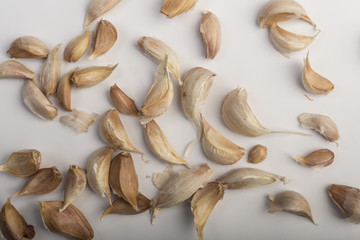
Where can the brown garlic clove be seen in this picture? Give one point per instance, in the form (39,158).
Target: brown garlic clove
(211,34)
(88,77)
(318,158)
(22,163)
(14,69)
(172,8)
(28,47)
(77,47)
(105,38)
(257,154)
(64,90)
(122,102)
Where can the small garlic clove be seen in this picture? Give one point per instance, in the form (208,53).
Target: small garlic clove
(79,120)
(28,47)
(160,146)
(98,8)
(314,82)
(242,178)
(276,11)
(105,38)
(88,77)
(218,148)
(71,222)
(320,123)
(77,47)
(97,172)
(257,154)
(37,102)
(75,185)
(14,69)
(63,92)
(292,202)
(211,34)
(172,8)
(122,102)
(44,181)
(318,158)
(22,163)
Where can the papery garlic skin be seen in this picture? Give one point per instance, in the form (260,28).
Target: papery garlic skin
(211,34)
(320,123)
(14,69)
(172,8)
(105,38)
(77,47)
(28,47)
(98,8)
(22,163)
(50,73)
(79,120)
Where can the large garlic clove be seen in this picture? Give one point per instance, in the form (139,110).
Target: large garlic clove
(211,34)
(63,92)
(105,38)
(90,76)
(77,47)
(123,102)
(28,47)
(79,120)
(319,158)
(50,73)
(320,123)
(22,163)
(98,8)
(172,8)
(14,69)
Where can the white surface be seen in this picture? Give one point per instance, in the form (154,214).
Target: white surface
(246,59)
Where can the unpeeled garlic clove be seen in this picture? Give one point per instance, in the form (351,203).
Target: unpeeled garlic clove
(242,178)
(77,47)
(37,102)
(282,10)
(105,38)
(22,163)
(257,154)
(79,120)
(44,181)
(290,201)
(320,123)
(159,145)
(28,47)
(63,92)
(203,202)
(122,102)
(172,8)
(211,34)
(88,77)
(14,69)
(71,222)
(218,148)
(98,8)
(318,158)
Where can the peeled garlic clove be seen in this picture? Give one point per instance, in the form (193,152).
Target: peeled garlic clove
(97,172)
(13,225)
(64,90)
(203,202)
(318,158)
(314,82)
(194,91)
(186,182)
(211,34)
(88,77)
(98,8)
(79,120)
(156,50)
(120,206)
(37,102)
(14,69)
(242,178)
(282,10)
(218,148)
(286,42)
(160,146)
(22,163)
(71,222)
(172,8)
(123,179)
(257,154)
(28,47)
(77,47)
(44,181)
(75,185)
(122,102)
(320,123)
(105,38)
(50,74)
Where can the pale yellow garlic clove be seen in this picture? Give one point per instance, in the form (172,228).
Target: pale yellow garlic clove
(14,69)
(63,92)
(105,38)
(122,102)
(77,47)
(211,34)
(22,163)
(320,123)
(98,8)
(218,148)
(290,201)
(318,158)
(79,120)
(257,154)
(88,77)
(172,8)
(28,47)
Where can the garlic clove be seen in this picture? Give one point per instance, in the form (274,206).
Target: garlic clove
(172,8)
(77,47)
(90,76)
(161,178)
(105,38)
(14,69)
(122,102)
(211,34)
(98,8)
(320,123)
(22,163)
(257,154)
(318,158)
(28,47)
(79,120)
(63,92)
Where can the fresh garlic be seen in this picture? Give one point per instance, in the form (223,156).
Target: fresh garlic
(71,222)
(14,69)
(28,47)
(79,120)
(63,92)
(314,82)
(286,42)
(257,154)
(77,47)
(44,181)
(98,8)
(160,146)
(122,102)
(88,77)
(218,148)
(75,185)
(320,123)
(242,178)
(97,172)
(172,8)
(203,202)
(211,34)
(156,50)
(37,102)
(290,201)
(12,225)
(181,187)
(319,158)
(50,74)
(282,10)
(194,91)
(105,38)
(22,163)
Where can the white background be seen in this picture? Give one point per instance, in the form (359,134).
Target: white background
(246,59)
